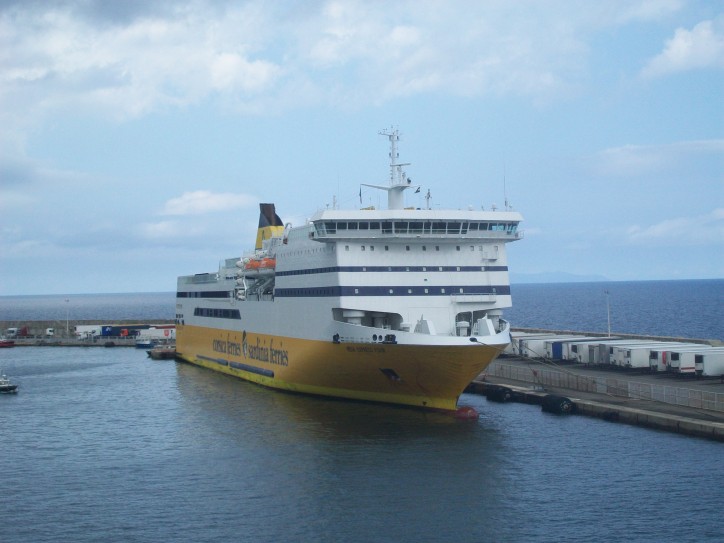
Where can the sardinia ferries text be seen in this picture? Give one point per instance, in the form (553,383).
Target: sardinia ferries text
(257,351)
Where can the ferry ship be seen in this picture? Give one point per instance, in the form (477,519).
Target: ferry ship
(399,305)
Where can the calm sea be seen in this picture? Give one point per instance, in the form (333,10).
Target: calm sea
(692,309)
(107,445)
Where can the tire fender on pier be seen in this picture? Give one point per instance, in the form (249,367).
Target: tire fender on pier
(559,405)
(501,394)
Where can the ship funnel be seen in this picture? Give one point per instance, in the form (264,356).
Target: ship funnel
(270,225)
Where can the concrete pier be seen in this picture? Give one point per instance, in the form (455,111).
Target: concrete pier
(687,406)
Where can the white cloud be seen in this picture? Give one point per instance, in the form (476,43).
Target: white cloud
(697,230)
(635,160)
(202,201)
(233,72)
(263,57)
(701,47)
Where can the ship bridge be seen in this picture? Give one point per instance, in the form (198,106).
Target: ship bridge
(334,225)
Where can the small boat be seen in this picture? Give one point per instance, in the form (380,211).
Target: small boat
(163,352)
(6,343)
(6,387)
(145,343)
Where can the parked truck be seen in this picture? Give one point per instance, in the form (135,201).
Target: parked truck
(16,332)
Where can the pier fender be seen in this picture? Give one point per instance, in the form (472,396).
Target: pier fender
(466,413)
(500,394)
(559,405)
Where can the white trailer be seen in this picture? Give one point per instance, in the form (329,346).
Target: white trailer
(515,337)
(684,360)
(534,347)
(594,351)
(158,332)
(520,340)
(88,331)
(559,348)
(710,363)
(609,356)
(660,358)
(639,356)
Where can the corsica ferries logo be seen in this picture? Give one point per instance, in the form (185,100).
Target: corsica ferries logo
(262,353)
(253,351)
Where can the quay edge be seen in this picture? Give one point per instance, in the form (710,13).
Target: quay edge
(712,342)
(686,422)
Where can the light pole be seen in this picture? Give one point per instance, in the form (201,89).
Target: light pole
(608,311)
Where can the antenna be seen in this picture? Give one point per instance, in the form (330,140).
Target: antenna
(399,182)
(506,205)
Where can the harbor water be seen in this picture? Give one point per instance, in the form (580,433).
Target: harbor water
(107,445)
(104,444)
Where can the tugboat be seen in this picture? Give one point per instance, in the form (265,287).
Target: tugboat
(6,387)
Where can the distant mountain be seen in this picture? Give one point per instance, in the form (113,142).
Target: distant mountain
(555,277)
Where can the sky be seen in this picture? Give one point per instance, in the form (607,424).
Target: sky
(138,138)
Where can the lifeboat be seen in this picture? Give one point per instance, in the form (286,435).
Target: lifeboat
(258,266)
(260,263)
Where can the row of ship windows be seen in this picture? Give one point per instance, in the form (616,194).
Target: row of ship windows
(217,313)
(423,247)
(441,290)
(382,291)
(416,227)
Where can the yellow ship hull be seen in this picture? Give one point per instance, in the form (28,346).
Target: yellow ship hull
(427,376)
